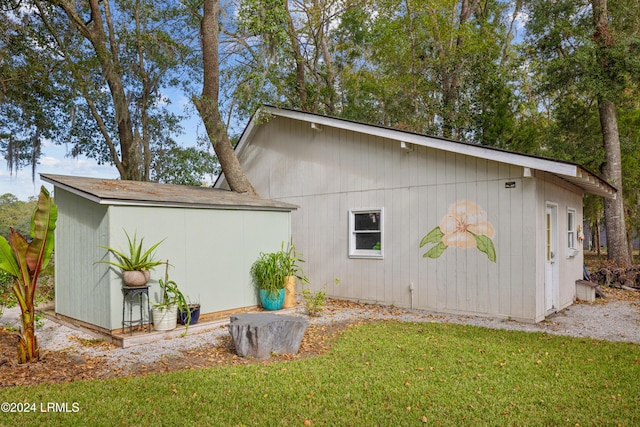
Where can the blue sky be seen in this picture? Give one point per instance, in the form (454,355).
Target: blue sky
(55,159)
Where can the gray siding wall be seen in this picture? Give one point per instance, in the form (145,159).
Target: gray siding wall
(82,287)
(330,172)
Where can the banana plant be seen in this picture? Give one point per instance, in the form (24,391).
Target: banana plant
(24,260)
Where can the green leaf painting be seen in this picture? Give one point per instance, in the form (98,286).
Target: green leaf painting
(435,251)
(484,244)
(434,236)
(465,225)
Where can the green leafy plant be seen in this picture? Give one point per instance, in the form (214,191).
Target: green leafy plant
(24,260)
(172,295)
(314,302)
(138,259)
(290,262)
(269,271)
(39,320)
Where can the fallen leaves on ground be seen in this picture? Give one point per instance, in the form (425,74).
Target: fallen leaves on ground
(67,366)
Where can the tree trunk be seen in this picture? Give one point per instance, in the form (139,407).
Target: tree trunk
(207,104)
(597,241)
(106,50)
(28,349)
(617,247)
(451,72)
(301,84)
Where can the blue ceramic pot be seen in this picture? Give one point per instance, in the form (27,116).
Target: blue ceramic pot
(195,315)
(272,301)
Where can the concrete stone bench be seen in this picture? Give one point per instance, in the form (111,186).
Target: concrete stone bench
(260,334)
(587,291)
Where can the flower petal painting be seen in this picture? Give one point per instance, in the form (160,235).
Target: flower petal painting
(466,226)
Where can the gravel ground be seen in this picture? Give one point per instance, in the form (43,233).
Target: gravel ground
(613,320)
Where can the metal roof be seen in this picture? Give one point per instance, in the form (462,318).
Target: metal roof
(136,193)
(571,172)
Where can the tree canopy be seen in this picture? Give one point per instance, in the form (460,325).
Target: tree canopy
(557,78)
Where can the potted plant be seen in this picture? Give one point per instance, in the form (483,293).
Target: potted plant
(293,271)
(268,273)
(136,265)
(190,316)
(165,312)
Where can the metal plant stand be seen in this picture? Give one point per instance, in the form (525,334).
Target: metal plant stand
(130,294)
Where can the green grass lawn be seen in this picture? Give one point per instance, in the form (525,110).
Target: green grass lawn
(389,374)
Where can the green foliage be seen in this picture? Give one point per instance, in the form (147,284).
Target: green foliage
(137,259)
(376,374)
(314,302)
(59,70)
(423,67)
(184,166)
(32,102)
(172,295)
(578,67)
(6,279)
(270,270)
(39,320)
(291,262)
(15,213)
(24,260)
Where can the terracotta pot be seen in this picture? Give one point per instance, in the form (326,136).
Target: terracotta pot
(290,292)
(136,277)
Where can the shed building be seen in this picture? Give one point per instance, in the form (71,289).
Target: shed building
(211,238)
(418,221)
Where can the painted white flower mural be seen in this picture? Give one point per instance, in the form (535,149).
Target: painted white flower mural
(465,226)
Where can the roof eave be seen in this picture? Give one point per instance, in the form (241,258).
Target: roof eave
(263,205)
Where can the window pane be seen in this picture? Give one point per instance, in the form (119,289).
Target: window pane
(570,221)
(370,241)
(571,228)
(367,221)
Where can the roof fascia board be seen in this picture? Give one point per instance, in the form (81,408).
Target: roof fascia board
(145,203)
(436,143)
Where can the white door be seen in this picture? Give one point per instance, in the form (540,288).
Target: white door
(551,294)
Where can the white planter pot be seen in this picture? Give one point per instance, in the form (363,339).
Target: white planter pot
(165,319)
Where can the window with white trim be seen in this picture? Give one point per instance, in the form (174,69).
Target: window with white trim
(366,233)
(571,228)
